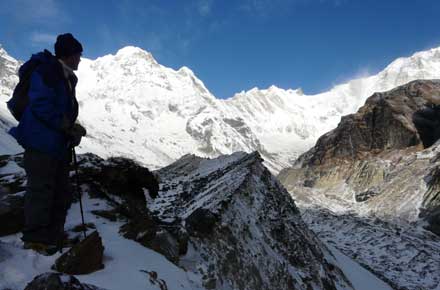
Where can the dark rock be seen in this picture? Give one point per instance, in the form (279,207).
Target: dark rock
(170,243)
(431,201)
(14,184)
(432,216)
(142,230)
(154,279)
(166,244)
(83,258)
(309,183)
(124,176)
(182,239)
(111,215)
(364,196)
(11,215)
(201,222)
(57,281)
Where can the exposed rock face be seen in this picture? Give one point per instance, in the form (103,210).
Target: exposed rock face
(125,185)
(374,154)
(55,281)
(384,123)
(245,231)
(373,165)
(84,258)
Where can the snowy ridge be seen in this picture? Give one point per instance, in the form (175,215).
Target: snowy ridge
(135,107)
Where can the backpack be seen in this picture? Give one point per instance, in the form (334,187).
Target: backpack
(20,98)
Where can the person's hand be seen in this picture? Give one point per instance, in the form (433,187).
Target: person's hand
(76,133)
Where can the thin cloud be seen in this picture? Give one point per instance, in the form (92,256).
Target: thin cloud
(30,11)
(204,7)
(38,38)
(270,7)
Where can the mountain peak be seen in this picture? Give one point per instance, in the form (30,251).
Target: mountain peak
(4,54)
(135,52)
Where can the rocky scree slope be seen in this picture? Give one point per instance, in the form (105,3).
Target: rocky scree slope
(371,181)
(227,221)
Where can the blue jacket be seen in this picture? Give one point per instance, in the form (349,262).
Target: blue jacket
(52,108)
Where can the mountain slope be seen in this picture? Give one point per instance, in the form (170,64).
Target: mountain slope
(236,228)
(135,107)
(370,188)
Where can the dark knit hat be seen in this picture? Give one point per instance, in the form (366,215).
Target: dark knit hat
(67,45)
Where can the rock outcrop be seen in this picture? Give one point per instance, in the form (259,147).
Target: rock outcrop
(55,281)
(376,157)
(84,258)
(11,215)
(245,231)
(383,124)
(373,171)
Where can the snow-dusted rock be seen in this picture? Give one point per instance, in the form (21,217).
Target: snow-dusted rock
(245,231)
(83,258)
(56,281)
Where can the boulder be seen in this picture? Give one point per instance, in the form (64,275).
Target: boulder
(83,258)
(169,240)
(11,215)
(57,281)
(124,176)
(166,244)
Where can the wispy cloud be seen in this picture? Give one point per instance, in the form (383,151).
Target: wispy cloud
(38,38)
(270,7)
(204,7)
(31,11)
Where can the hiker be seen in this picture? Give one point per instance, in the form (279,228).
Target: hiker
(427,122)
(48,133)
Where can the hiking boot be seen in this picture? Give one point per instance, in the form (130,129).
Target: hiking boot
(43,249)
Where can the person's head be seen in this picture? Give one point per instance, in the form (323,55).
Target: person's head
(69,50)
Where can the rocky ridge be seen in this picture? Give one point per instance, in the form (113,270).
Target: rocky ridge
(227,221)
(370,171)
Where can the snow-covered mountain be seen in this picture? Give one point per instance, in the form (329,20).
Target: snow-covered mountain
(8,79)
(135,107)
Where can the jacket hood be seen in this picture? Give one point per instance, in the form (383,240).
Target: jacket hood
(44,57)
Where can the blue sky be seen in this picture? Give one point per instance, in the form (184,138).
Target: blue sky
(235,45)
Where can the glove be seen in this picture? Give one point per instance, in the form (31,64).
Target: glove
(76,133)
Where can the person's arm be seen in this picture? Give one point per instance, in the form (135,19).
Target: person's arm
(42,104)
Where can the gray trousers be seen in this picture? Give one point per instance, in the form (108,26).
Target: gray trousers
(48,197)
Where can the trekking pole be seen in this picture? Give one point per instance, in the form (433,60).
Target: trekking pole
(75,163)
